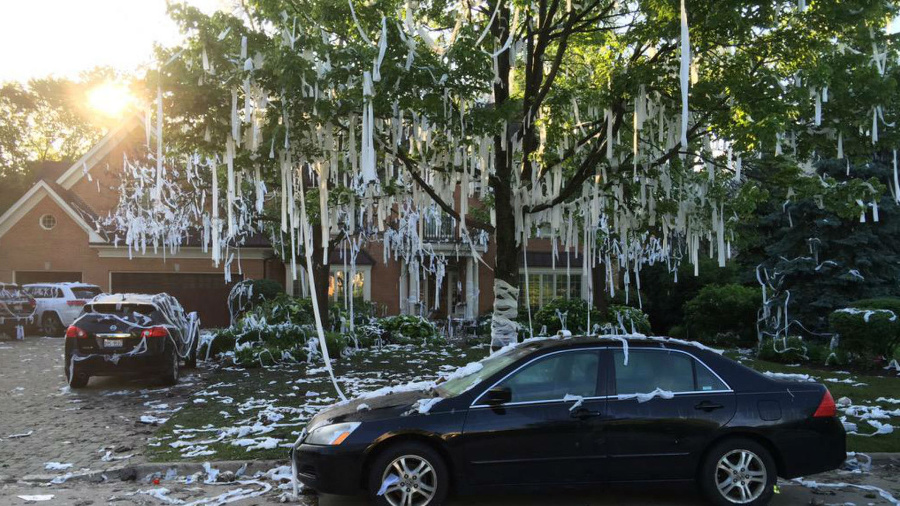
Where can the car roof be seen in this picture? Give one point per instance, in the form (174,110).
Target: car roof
(72,284)
(128,298)
(615,341)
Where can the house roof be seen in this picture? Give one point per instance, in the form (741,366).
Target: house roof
(109,141)
(67,201)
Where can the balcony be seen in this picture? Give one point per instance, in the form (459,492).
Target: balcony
(440,229)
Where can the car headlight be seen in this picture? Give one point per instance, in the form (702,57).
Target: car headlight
(331,435)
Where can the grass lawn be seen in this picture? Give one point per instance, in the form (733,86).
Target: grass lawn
(258,413)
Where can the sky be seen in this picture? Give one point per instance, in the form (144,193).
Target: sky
(65,37)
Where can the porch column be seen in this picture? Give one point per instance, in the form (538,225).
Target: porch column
(471,288)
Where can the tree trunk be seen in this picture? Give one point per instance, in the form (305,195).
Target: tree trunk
(506,266)
(598,283)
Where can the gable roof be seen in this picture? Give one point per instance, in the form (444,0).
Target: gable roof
(69,204)
(99,151)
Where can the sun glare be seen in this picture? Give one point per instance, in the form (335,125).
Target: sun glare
(110,99)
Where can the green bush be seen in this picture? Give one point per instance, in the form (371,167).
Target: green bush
(336,343)
(363,312)
(792,350)
(722,310)
(632,318)
(407,329)
(265,289)
(868,328)
(575,311)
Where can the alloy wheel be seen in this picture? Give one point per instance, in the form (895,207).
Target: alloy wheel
(416,481)
(741,476)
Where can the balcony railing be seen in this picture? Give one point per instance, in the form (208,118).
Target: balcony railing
(440,229)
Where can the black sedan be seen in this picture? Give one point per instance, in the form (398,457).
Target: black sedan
(127,334)
(571,413)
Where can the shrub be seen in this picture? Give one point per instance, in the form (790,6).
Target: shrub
(407,329)
(723,309)
(363,312)
(265,289)
(575,311)
(336,343)
(869,328)
(791,350)
(633,319)
(250,293)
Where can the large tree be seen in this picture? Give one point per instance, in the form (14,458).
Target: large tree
(46,120)
(622,125)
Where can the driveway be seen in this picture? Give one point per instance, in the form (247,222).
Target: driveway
(42,421)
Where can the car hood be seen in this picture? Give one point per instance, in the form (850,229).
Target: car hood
(374,407)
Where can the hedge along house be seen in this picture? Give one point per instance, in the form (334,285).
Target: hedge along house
(51,235)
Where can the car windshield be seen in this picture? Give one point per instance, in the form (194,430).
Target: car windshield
(85,292)
(121,309)
(473,375)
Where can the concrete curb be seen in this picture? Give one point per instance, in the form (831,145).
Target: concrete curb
(145,471)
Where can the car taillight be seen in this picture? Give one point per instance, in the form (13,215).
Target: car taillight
(75,332)
(827,408)
(155,332)
(75,302)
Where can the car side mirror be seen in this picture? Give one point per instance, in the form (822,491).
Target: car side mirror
(498,395)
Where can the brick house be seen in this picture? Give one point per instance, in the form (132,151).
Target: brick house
(49,235)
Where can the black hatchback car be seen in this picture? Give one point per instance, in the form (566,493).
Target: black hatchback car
(131,334)
(576,412)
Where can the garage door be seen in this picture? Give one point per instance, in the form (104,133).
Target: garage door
(26,277)
(207,294)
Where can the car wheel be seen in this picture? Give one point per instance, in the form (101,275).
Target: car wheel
(76,374)
(170,375)
(738,471)
(409,474)
(51,326)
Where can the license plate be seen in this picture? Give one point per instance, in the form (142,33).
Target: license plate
(113,343)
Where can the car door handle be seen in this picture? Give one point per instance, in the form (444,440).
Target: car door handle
(584,414)
(708,406)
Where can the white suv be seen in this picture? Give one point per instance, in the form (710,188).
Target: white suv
(59,304)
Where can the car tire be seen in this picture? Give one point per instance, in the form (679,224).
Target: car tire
(738,471)
(77,375)
(434,475)
(169,376)
(51,325)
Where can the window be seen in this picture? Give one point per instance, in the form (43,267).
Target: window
(86,292)
(337,287)
(42,292)
(546,286)
(336,283)
(673,371)
(707,381)
(48,221)
(553,377)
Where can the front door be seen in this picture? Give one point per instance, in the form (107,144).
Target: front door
(660,436)
(543,435)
